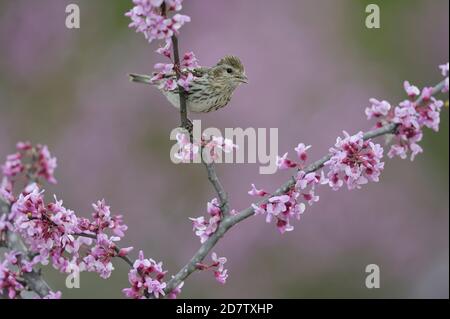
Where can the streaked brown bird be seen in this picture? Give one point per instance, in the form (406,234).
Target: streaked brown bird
(211,89)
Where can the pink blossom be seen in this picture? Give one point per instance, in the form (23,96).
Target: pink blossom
(166,49)
(282,208)
(411,90)
(220,273)
(13,165)
(187,151)
(205,228)
(47,164)
(310,197)
(189,61)
(284,163)
(427,92)
(174,5)
(377,109)
(146,18)
(8,277)
(53,295)
(301,151)
(354,162)
(24,146)
(220,143)
(257,192)
(185,81)
(155,287)
(146,278)
(304,180)
(176,291)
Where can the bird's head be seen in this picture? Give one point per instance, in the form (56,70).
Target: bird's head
(230,72)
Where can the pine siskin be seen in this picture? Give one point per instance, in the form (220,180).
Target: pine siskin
(211,89)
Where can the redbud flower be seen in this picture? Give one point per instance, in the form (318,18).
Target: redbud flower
(411,90)
(205,228)
(284,163)
(53,295)
(176,291)
(220,273)
(13,165)
(47,164)
(282,208)
(145,279)
(354,162)
(8,278)
(146,18)
(377,109)
(301,151)
(185,81)
(257,192)
(186,150)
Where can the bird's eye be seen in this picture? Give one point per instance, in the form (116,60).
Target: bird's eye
(229,70)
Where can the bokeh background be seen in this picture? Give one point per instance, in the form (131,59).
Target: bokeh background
(312,65)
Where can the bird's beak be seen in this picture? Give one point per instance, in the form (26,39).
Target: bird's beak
(243,79)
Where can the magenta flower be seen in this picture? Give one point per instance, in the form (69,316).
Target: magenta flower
(221,274)
(377,109)
(146,18)
(301,152)
(284,163)
(354,162)
(13,165)
(257,192)
(176,291)
(185,81)
(145,278)
(205,228)
(412,91)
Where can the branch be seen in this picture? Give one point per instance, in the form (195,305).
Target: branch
(230,221)
(186,124)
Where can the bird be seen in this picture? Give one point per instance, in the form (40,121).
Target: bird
(211,89)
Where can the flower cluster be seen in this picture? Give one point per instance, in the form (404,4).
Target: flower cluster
(220,273)
(291,204)
(55,234)
(205,227)
(211,149)
(419,110)
(36,160)
(146,279)
(165,77)
(11,275)
(354,162)
(147,17)
(283,162)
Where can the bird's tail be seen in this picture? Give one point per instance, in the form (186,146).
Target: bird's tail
(140,78)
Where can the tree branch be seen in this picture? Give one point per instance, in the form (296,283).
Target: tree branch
(230,221)
(186,124)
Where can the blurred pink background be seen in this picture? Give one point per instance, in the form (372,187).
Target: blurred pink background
(312,65)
